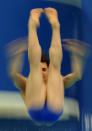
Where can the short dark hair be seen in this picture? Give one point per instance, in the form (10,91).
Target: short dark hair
(44,58)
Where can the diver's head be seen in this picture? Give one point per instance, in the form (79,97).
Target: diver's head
(44,66)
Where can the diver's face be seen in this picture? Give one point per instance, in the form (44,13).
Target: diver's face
(44,68)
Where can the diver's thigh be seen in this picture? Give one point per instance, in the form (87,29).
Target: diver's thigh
(55,90)
(35,91)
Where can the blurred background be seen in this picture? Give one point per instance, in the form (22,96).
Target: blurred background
(75,17)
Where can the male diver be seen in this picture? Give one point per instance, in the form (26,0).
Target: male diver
(43,89)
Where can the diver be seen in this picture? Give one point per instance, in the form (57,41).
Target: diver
(43,89)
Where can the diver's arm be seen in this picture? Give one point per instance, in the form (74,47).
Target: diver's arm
(14,70)
(78,53)
(70,79)
(19,81)
(77,71)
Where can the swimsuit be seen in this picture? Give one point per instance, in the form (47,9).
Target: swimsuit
(44,115)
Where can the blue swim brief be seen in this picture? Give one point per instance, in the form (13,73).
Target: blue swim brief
(44,115)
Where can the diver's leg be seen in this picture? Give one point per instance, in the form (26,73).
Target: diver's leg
(35,91)
(55,90)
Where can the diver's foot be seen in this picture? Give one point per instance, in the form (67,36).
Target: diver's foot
(35,15)
(52,16)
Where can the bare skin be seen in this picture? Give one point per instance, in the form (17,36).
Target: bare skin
(55,90)
(46,83)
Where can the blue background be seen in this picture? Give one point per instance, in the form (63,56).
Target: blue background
(75,23)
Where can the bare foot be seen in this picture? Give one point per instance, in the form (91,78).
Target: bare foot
(52,16)
(35,15)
